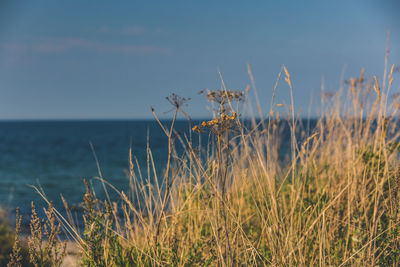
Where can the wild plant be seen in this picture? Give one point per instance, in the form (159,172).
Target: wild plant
(333,201)
(221,127)
(100,244)
(45,248)
(16,254)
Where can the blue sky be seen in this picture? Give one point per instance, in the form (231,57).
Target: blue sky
(113,59)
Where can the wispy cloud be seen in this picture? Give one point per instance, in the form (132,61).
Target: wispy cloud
(14,47)
(14,52)
(131,30)
(63,45)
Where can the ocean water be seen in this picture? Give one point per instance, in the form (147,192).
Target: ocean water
(58,155)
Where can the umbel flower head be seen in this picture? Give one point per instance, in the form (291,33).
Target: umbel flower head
(227,118)
(224,96)
(225,122)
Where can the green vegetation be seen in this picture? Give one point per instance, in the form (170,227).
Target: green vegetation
(337,202)
(13,251)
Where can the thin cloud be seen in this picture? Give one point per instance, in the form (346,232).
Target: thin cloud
(14,47)
(63,45)
(131,30)
(104,29)
(13,52)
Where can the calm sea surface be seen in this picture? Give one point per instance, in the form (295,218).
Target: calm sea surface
(57,155)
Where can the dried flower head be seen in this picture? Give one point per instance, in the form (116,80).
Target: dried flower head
(227,117)
(176,100)
(224,96)
(218,125)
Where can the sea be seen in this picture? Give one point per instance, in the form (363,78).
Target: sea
(55,156)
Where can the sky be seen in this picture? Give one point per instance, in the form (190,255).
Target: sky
(81,59)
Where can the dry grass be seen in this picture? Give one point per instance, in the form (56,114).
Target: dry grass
(336,203)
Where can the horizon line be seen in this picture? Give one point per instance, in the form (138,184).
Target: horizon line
(129,119)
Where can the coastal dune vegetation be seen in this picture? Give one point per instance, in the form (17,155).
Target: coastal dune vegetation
(228,198)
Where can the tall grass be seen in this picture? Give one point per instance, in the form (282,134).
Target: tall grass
(335,202)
